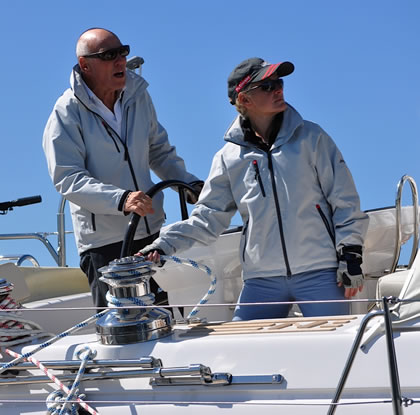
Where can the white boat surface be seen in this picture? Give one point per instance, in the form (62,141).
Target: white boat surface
(362,363)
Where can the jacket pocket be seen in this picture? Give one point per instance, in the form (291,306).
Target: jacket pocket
(258,176)
(326,223)
(93,219)
(245,236)
(85,223)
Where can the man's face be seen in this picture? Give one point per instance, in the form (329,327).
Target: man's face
(266,97)
(102,75)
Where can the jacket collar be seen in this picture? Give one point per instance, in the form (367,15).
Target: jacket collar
(291,121)
(249,133)
(133,85)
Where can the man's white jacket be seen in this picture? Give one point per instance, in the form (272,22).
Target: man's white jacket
(298,202)
(94,168)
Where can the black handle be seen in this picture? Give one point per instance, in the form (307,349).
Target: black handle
(24,201)
(134,218)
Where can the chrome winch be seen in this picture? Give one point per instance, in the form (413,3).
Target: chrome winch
(128,281)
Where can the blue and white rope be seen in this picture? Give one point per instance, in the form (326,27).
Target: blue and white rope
(85,354)
(55,403)
(53,340)
(15,329)
(127,273)
(148,299)
(201,267)
(144,300)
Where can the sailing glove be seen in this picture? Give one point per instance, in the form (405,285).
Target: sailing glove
(349,271)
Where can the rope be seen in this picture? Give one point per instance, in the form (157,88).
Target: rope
(53,340)
(63,387)
(85,354)
(148,299)
(13,328)
(142,301)
(201,267)
(55,402)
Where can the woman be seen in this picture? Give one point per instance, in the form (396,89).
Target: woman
(303,230)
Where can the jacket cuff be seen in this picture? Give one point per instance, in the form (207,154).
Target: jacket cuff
(122,201)
(164,246)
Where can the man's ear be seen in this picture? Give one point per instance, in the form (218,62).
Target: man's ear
(83,63)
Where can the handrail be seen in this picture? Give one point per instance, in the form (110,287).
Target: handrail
(145,362)
(193,370)
(59,255)
(414,193)
(397,400)
(38,236)
(392,359)
(20,259)
(61,234)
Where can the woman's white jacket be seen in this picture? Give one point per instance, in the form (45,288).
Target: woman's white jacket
(281,195)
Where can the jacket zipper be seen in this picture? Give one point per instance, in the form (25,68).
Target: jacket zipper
(110,130)
(127,158)
(258,176)
(107,128)
(244,233)
(130,165)
(279,220)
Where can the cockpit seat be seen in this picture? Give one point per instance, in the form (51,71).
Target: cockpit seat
(391,284)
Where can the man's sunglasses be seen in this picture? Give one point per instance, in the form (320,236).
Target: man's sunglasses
(269,85)
(110,54)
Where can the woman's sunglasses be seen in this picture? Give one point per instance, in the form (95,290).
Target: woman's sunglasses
(269,85)
(110,54)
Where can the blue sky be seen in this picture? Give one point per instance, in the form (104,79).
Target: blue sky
(357,75)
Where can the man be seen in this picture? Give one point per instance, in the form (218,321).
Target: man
(101,140)
(303,229)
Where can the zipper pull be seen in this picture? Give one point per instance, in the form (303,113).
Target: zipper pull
(257,170)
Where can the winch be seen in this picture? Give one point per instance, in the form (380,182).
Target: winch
(128,281)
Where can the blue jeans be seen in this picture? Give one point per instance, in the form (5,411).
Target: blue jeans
(306,286)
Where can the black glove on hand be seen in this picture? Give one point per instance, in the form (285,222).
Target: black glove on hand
(349,271)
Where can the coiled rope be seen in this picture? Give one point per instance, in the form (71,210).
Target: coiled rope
(13,328)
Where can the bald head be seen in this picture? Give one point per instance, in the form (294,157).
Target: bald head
(90,40)
(104,77)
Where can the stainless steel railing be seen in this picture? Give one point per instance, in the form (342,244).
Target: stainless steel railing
(415,200)
(59,254)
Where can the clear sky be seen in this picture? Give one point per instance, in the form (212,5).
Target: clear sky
(357,75)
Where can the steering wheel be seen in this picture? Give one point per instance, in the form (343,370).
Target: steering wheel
(135,218)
